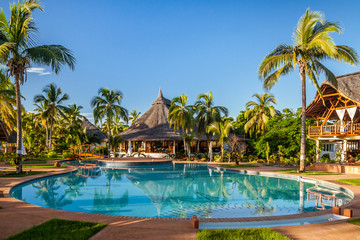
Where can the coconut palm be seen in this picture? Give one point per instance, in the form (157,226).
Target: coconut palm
(18,51)
(52,98)
(221,129)
(259,112)
(42,116)
(7,102)
(312,45)
(207,114)
(134,116)
(107,105)
(181,115)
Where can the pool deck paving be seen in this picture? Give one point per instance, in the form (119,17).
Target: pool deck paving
(17,215)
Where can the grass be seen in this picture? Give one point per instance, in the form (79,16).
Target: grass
(32,162)
(355,221)
(234,234)
(23,174)
(42,166)
(1,207)
(310,172)
(60,229)
(353,181)
(238,166)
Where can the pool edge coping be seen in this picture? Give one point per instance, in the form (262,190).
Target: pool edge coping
(70,169)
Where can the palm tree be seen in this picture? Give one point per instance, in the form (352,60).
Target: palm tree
(7,101)
(312,45)
(181,115)
(42,116)
(207,114)
(108,105)
(134,116)
(18,51)
(53,99)
(259,112)
(221,129)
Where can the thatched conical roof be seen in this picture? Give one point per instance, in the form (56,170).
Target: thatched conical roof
(153,124)
(348,87)
(93,130)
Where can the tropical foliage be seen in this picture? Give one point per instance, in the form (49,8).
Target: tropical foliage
(258,113)
(312,46)
(18,51)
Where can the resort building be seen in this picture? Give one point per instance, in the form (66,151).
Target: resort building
(337,117)
(152,134)
(92,130)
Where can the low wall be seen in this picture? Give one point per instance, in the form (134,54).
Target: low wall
(337,168)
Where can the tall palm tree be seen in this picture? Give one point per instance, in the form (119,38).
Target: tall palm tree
(134,116)
(181,115)
(259,112)
(107,104)
(312,45)
(18,51)
(207,114)
(221,129)
(42,116)
(53,98)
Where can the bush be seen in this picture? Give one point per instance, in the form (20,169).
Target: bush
(65,154)
(326,159)
(52,155)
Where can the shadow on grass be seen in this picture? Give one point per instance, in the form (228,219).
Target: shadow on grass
(60,229)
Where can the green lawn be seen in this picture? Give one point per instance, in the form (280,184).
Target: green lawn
(41,166)
(36,161)
(60,229)
(23,174)
(354,221)
(309,172)
(235,234)
(353,181)
(238,166)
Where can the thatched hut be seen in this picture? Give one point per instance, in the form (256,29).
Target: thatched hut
(91,129)
(337,116)
(152,132)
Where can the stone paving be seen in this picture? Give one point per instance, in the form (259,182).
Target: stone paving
(17,216)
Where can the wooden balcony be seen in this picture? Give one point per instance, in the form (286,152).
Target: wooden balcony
(335,130)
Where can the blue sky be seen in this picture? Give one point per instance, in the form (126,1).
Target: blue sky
(189,47)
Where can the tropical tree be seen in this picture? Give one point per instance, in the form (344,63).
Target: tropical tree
(18,51)
(206,114)
(221,129)
(107,105)
(134,116)
(52,98)
(259,112)
(7,102)
(312,45)
(181,115)
(42,116)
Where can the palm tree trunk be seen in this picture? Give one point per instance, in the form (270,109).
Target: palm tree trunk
(18,126)
(303,121)
(222,152)
(47,137)
(50,134)
(109,137)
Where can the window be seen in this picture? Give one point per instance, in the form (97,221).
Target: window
(353,145)
(328,147)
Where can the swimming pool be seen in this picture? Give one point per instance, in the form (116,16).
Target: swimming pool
(176,191)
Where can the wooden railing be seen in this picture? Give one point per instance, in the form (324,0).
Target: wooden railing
(337,129)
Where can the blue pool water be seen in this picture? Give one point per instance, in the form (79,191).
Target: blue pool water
(173,191)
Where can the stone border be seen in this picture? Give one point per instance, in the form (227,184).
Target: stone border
(69,169)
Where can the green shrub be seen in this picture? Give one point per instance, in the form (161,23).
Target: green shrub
(52,155)
(65,154)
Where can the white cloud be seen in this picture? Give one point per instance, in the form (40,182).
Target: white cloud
(40,71)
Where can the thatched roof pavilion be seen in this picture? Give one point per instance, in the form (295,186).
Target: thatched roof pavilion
(337,116)
(153,125)
(93,130)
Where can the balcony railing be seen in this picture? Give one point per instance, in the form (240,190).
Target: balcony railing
(337,129)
